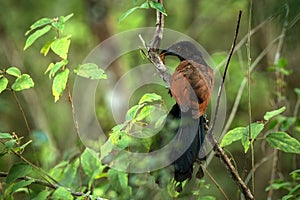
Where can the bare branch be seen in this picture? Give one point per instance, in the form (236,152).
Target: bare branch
(153,48)
(220,153)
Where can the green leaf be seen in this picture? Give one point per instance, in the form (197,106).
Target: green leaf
(284,142)
(37,34)
(90,70)
(20,184)
(287,123)
(256,128)
(273,113)
(13,71)
(22,83)
(61,193)
(128,12)
(3,84)
(90,162)
(17,171)
(145,112)
(66,18)
(5,136)
(158,6)
(42,195)
(61,46)
(150,97)
(131,113)
(59,24)
(57,66)
(144,5)
(39,23)
(9,144)
(233,135)
(118,179)
(59,84)
(282,63)
(297,91)
(45,49)
(69,174)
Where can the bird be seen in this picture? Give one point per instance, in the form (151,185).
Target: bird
(191,85)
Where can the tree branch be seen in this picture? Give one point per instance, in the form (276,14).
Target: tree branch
(220,153)
(153,48)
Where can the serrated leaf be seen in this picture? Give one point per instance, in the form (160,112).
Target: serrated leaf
(69,173)
(3,84)
(39,23)
(90,70)
(284,142)
(273,113)
(61,193)
(13,71)
(256,128)
(233,135)
(17,171)
(45,49)
(34,36)
(20,184)
(61,46)
(90,162)
(150,97)
(57,66)
(158,6)
(5,136)
(22,83)
(59,84)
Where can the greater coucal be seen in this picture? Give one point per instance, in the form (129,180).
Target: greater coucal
(191,85)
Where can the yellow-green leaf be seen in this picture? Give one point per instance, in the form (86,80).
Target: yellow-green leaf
(45,49)
(39,23)
(13,71)
(273,113)
(57,66)
(22,83)
(3,84)
(61,46)
(33,37)
(233,135)
(59,84)
(17,171)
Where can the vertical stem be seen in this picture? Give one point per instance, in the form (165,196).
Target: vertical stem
(249,91)
(22,112)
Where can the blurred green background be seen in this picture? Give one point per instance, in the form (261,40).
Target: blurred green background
(210,22)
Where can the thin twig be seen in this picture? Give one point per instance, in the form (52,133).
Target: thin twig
(218,150)
(249,92)
(279,76)
(73,110)
(216,183)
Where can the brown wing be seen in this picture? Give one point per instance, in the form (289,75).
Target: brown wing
(191,85)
